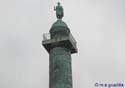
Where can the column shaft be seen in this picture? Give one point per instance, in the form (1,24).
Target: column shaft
(60,75)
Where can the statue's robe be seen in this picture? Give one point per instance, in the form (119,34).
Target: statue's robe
(59,12)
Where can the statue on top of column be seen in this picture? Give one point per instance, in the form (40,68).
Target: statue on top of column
(59,11)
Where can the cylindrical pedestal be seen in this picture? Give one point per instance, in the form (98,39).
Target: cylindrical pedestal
(60,75)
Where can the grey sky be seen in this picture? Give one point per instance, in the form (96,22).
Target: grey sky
(97,25)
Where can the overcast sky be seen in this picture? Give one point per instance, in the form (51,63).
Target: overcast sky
(97,25)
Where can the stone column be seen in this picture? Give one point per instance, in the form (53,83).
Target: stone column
(60,75)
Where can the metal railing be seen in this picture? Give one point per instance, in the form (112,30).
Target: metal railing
(46,36)
(72,38)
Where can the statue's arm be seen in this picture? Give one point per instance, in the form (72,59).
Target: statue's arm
(54,8)
(62,8)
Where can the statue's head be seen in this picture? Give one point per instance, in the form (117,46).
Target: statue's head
(58,3)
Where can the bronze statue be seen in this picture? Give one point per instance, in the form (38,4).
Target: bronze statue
(59,11)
